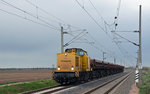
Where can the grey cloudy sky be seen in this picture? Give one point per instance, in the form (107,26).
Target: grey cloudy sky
(27,44)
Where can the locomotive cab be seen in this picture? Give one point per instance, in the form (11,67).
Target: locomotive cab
(73,60)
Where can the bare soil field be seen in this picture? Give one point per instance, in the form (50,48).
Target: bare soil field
(24,75)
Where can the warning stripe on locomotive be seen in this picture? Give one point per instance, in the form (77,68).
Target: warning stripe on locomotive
(77,74)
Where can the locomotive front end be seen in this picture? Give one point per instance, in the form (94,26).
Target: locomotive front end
(66,70)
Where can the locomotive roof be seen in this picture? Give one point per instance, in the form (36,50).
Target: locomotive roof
(76,49)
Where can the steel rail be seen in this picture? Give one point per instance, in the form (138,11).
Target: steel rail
(56,90)
(108,91)
(106,83)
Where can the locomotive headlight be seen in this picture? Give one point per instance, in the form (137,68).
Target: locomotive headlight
(72,68)
(65,54)
(58,68)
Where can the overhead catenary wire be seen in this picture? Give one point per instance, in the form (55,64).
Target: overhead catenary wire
(118,8)
(116,24)
(39,8)
(92,44)
(95,44)
(99,14)
(126,39)
(123,51)
(112,54)
(60,21)
(81,38)
(90,16)
(75,38)
(124,48)
(30,14)
(38,16)
(25,18)
(105,22)
(93,19)
(117,14)
(120,49)
(34,5)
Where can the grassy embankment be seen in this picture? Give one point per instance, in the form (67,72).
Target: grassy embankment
(18,88)
(145,87)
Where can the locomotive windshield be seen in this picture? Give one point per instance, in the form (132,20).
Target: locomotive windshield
(80,52)
(77,51)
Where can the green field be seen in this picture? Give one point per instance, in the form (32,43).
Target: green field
(18,88)
(145,87)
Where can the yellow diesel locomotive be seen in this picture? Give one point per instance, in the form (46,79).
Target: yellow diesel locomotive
(72,65)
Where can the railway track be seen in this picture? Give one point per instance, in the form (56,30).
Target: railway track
(110,90)
(60,88)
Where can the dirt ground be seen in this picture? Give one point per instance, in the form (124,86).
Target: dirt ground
(23,75)
(134,89)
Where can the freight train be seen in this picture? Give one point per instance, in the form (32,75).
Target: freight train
(75,65)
